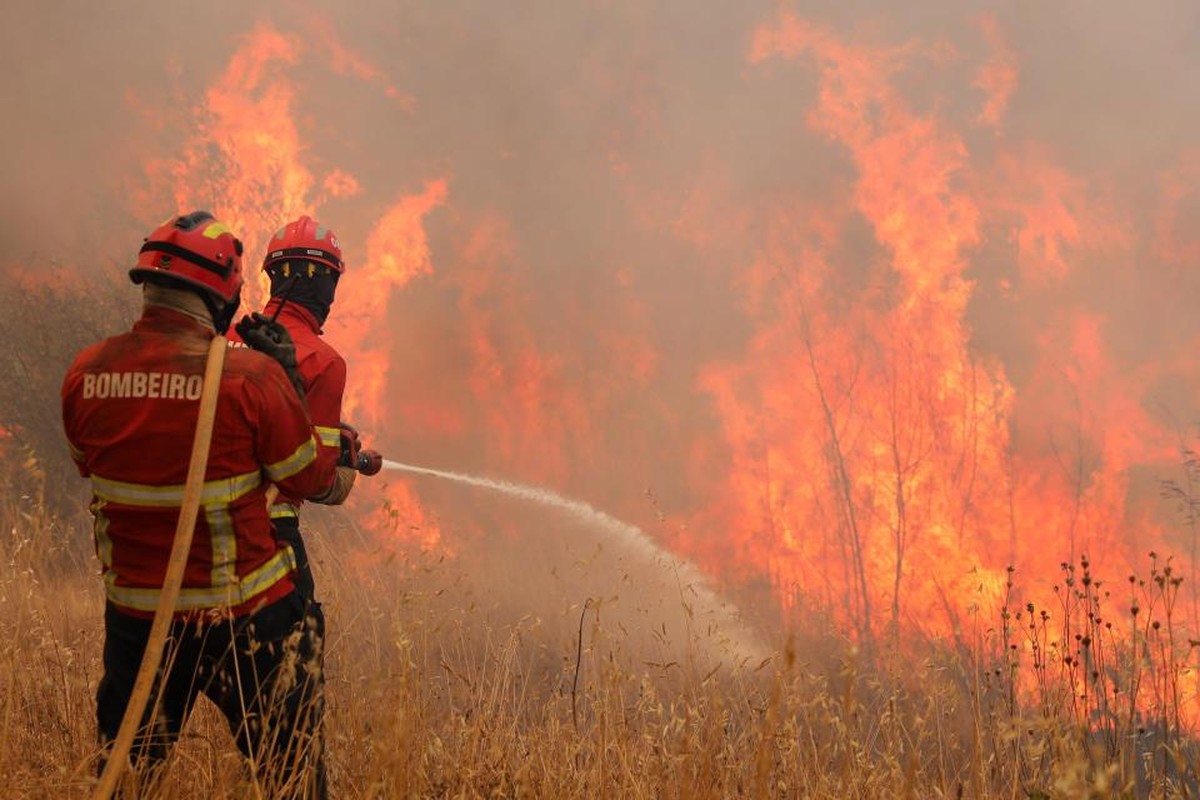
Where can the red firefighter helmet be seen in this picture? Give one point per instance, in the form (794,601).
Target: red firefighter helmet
(305,239)
(196,251)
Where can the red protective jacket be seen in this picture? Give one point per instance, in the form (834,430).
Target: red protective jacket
(323,371)
(130,405)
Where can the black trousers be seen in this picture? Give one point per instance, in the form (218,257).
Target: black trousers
(287,531)
(263,671)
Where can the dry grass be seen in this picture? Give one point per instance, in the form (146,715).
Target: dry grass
(434,692)
(443,683)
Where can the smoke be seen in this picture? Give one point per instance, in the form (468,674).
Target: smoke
(680,256)
(623,537)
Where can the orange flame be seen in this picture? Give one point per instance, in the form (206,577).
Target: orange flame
(867,440)
(998,77)
(247,158)
(397,252)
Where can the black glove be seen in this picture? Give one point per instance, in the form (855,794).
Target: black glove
(349,446)
(270,338)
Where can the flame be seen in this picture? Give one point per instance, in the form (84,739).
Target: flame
(872,425)
(997,78)
(244,161)
(511,376)
(397,252)
(403,514)
(871,431)
(247,157)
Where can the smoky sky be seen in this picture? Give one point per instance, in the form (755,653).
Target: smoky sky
(624,159)
(530,91)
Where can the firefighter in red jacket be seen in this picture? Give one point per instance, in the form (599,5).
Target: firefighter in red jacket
(304,263)
(130,409)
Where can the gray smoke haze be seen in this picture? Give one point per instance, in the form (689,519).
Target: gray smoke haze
(616,169)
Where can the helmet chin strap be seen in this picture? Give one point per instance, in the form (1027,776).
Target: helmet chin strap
(223,313)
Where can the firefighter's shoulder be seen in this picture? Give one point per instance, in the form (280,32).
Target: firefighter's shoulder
(245,360)
(97,353)
(321,358)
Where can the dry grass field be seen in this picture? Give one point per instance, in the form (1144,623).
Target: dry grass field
(549,664)
(851,304)
(436,689)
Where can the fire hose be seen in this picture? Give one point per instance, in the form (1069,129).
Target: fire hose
(173,580)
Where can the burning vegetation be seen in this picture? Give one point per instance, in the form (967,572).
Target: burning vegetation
(880,327)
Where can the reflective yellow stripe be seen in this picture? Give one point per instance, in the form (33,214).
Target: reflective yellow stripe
(224,545)
(305,454)
(195,598)
(283,510)
(76,453)
(222,491)
(100,530)
(330,437)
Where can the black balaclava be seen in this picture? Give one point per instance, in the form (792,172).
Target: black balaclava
(306,283)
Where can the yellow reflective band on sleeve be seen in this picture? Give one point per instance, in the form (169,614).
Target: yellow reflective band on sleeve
(305,454)
(330,437)
(196,598)
(283,511)
(76,453)
(222,491)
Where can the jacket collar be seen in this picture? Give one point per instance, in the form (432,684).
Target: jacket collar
(294,311)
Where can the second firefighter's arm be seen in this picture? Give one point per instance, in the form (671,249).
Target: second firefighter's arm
(286,444)
(325,390)
(339,490)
